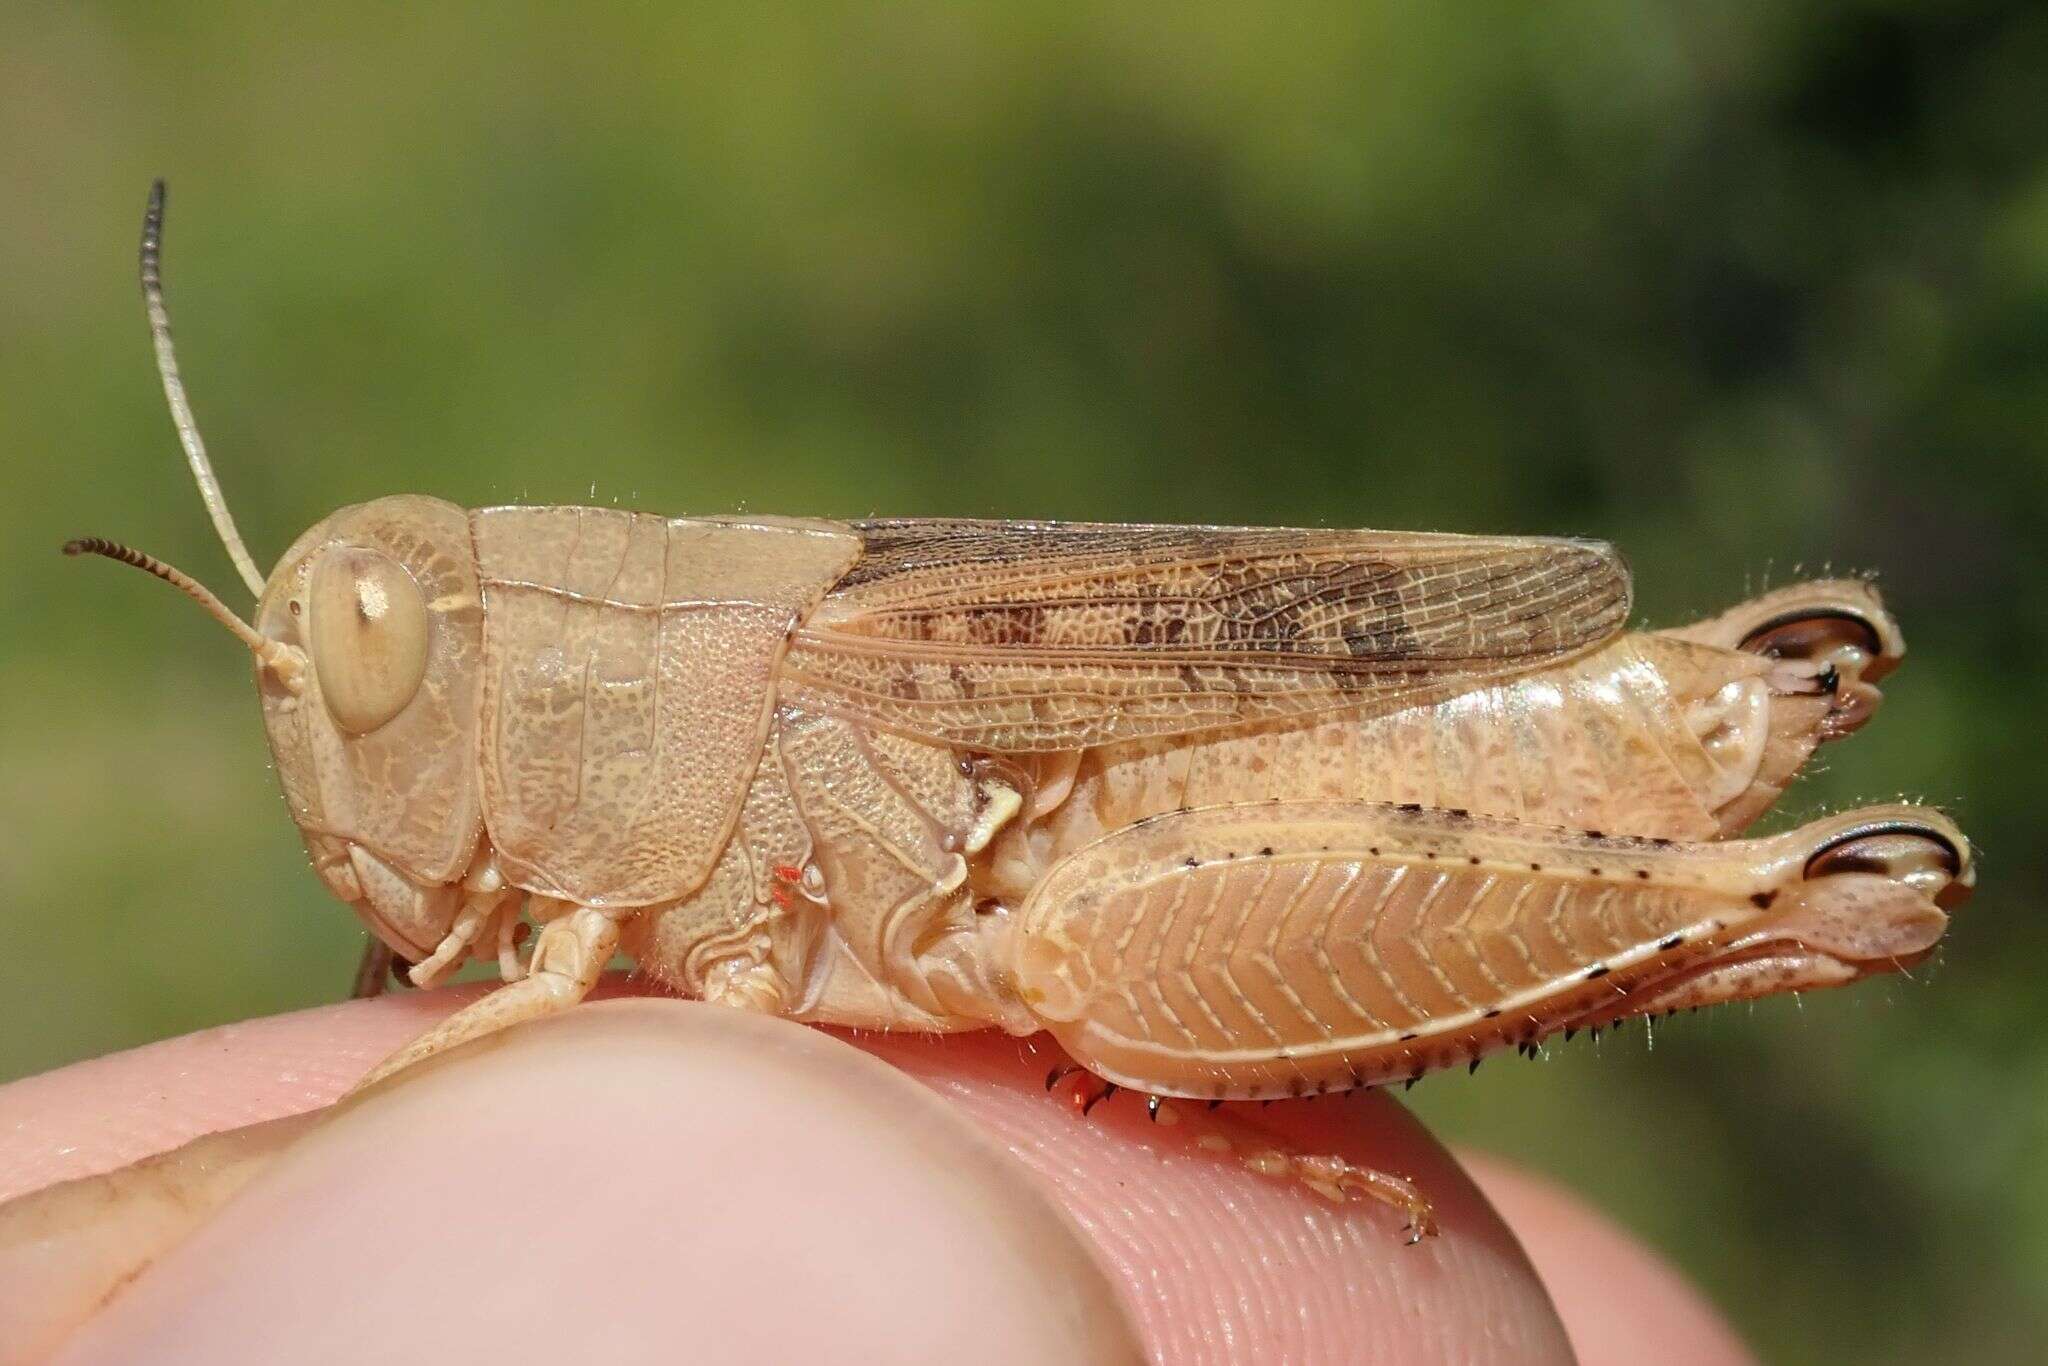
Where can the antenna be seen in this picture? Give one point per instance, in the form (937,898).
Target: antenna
(275,655)
(174,391)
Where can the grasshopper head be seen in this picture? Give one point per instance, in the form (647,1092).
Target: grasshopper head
(376,740)
(1826,644)
(368,640)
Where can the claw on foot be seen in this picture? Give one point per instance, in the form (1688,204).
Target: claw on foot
(1338,1180)
(1326,1174)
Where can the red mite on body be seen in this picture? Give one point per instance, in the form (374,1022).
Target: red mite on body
(1233,812)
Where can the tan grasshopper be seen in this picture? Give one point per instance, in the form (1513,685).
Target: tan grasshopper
(1231,812)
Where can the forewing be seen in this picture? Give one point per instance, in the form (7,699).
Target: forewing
(1021,636)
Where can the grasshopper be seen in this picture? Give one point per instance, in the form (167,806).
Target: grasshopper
(1232,812)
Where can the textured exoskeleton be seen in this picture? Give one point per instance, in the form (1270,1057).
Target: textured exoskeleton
(1234,812)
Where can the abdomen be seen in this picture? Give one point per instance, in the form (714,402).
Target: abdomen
(1598,744)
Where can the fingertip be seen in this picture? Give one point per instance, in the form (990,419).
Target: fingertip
(637,1180)
(1223,1264)
(1214,1262)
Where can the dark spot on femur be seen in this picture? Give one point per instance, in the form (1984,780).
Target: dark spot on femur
(1410,807)
(1593,872)
(1643,873)
(1600,971)
(1762,900)
(1493,1014)
(1535,867)
(1266,852)
(1473,859)
(1671,941)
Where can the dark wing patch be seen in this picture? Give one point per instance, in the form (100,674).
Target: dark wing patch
(1021,636)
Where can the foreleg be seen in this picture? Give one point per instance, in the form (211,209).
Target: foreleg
(568,959)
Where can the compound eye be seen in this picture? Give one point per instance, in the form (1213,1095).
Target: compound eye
(367,633)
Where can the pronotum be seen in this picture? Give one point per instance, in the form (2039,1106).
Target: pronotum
(1232,812)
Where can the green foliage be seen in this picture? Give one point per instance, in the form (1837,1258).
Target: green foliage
(1738,287)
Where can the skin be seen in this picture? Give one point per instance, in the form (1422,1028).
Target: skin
(751,1166)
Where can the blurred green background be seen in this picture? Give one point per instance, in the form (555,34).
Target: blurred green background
(1741,287)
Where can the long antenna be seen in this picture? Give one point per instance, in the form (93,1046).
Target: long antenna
(273,654)
(174,390)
